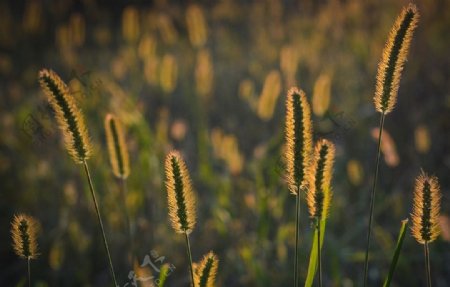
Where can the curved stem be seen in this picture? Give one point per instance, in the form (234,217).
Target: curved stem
(188,247)
(372,199)
(29,272)
(91,187)
(319,251)
(427,263)
(297,219)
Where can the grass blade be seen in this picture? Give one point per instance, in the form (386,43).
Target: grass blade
(312,267)
(398,249)
(163,275)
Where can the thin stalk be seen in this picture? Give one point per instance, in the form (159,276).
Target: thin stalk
(29,272)
(427,263)
(319,259)
(297,219)
(91,187)
(123,192)
(372,199)
(188,247)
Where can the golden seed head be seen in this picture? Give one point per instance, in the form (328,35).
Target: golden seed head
(269,95)
(319,192)
(68,115)
(205,272)
(24,230)
(426,209)
(298,139)
(179,194)
(117,149)
(196,25)
(394,56)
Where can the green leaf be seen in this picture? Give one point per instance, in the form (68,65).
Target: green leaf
(398,248)
(164,272)
(312,268)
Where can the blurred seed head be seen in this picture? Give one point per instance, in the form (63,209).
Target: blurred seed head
(387,147)
(117,149)
(130,24)
(168,73)
(269,95)
(355,172)
(196,25)
(422,139)
(321,95)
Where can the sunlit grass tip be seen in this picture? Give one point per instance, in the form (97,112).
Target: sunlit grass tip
(24,230)
(393,58)
(180,195)
(117,149)
(206,271)
(298,132)
(426,209)
(69,117)
(319,192)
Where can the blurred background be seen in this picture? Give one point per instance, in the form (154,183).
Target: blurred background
(209,78)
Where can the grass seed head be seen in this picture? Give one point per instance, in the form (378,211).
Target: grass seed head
(393,58)
(426,209)
(180,194)
(69,117)
(205,272)
(117,149)
(319,192)
(298,138)
(24,231)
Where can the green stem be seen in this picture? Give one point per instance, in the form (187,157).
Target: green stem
(319,252)
(427,263)
(372,200)
(91,186)
(297,219)
(29,272)
(188,247)
(123,193)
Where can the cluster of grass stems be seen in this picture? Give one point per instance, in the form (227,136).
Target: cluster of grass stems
(309,169)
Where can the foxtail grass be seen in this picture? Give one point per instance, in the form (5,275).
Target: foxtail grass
(71,122)
(24,230)
(120,164)
(388,80)
(319,193)
(118,153)
(425,215)
(181,200)
(206,271)
(298,133)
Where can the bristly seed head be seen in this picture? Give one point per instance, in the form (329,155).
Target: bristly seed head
(24,229)
(205,272)
(179,194)
(117,149)
(394,56)
(298,138)
(68,115)
(319,191)
(426,209)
